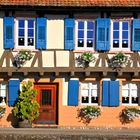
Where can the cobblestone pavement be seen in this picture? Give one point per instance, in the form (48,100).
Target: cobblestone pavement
(68,134)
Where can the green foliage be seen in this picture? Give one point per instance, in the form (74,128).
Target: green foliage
(87,57)
(27,107)
(2,111)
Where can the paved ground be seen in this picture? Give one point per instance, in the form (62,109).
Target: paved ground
(68,134)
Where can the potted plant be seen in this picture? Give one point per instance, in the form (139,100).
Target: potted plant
(86,58)
(128,114)
(2,111)
(119,60)
(21,58)
(88,113)
(26,108)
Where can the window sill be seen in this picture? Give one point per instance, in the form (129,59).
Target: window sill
(28,49)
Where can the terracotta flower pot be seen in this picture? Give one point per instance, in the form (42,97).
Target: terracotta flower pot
(24,124)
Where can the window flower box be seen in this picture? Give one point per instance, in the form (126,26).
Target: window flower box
(85,58)
(119,60)
(129,114)
(21,58)
(2,111)
(88,113)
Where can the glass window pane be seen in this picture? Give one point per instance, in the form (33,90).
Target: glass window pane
(125,34)
(89,43)
(125,25)
(115,25)
(21,32)
(94,92)
(137,35)
(81,25)
(80,34)
(116,34)
(135,100)
(21,23)
(89,34)
(94,99)
(125,93)
(21,41)
(125,100)
(85,99)
(30,32)
(80,43)
(85,93)
(46,97)
(124,43)
(115,43)
(30,42)
(90,25)
(134,93)
(30,23)
(84,85)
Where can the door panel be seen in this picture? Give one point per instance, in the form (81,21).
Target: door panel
(46,97)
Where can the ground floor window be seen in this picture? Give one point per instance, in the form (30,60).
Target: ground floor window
(2,93)
(130,93)
(89,93)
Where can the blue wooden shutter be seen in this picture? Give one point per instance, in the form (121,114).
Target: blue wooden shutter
(114,93)
(41,33)
(105,93)
(136,35)
(8,32)
(13,91)
(103,34)
(73,91)
(69,33)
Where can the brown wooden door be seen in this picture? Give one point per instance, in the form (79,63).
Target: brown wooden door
(46,97)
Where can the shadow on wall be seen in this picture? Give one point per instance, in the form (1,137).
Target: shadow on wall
(12,120)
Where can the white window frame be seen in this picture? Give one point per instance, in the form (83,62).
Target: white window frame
(85,35)
(3,92)
(89,87)
(26,34)
(130,88)
(120,36)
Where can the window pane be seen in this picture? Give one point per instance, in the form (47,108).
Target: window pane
(94,99)
(135,100)
(125,93)
(21,23)
(137,35)
(30,32)
(125,25)
(80,25)
(46,97)
(85,96)
(21,41)
(115,25)
(80,34)
(90,34)
(30,23)
(80,43)
(115,43)
(89,43)
(90,25)
(125,34)
(30,42)
(101,34)
(21,32)
(124,43)
(116,34)
(125,100)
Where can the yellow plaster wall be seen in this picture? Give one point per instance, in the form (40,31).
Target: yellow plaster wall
(55,33)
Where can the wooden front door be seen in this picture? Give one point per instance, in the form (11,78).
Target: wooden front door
(46,97)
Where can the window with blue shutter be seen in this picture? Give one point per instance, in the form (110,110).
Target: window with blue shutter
(69,33)
(110,93)
(8,32)
(41,33)
(136,35)
(13,91)
(73,91)
(103,34)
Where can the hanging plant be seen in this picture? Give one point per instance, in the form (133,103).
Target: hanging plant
(118,61)
(2,111)
(21,58)
(129,114)
(86,58)
(88,113)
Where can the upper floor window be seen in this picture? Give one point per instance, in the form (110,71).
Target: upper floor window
(120,35)
(89,93)
(85,34)
(130,93)
(25,31)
